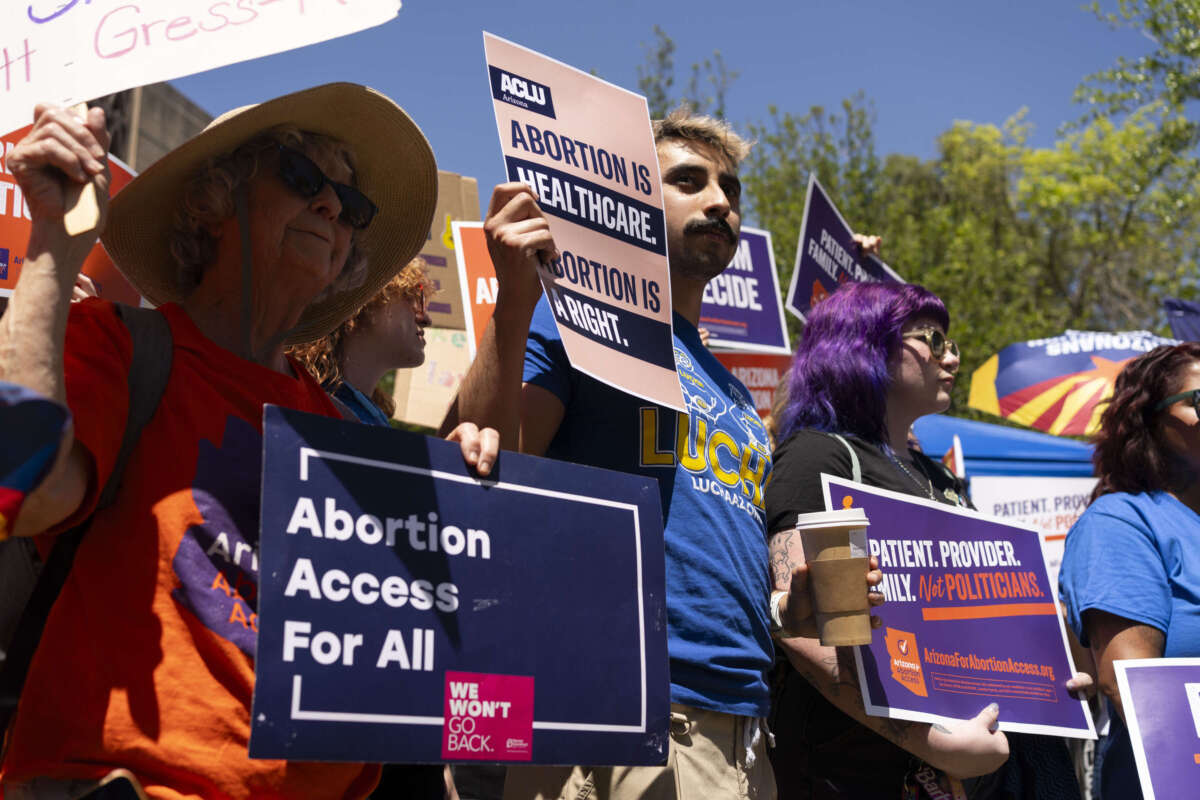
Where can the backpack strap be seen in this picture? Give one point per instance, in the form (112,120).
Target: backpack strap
(855,467)
(149,370)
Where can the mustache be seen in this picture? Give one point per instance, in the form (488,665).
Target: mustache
(718,226)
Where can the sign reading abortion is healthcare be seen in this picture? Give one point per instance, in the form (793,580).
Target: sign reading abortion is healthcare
(1161,700)
(827,256)
(742,308)
(410,612)
(970,618)
(586,150)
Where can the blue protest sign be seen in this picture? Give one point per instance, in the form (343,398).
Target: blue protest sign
(742,307)
(826,255)
(1161,701)
(970,618)
(409,612)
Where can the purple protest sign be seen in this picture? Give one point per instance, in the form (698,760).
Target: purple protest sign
(742,308)
(970,618)
(1161,700)
(826,255)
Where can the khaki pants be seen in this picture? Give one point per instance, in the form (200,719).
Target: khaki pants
(707,759)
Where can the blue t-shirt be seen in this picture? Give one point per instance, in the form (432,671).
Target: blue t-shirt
(1135,556)
(711,466)
(364,409)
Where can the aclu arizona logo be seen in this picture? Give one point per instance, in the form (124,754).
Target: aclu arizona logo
(905,660)
(508,87)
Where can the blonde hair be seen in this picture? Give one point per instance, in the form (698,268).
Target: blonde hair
(681,123)
(323,358)
(208,200)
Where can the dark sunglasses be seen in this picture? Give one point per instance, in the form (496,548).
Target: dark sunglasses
(306,179)
(937,341)
(1191,394)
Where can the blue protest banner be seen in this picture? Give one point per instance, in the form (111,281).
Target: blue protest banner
(410,612)
(970,618)
(1161,701)
(742,307)
(826,255)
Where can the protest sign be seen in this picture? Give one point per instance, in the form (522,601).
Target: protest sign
(1048,505)
(458,199)
(410,612)
(585,148)
(67,51)
(742,306)
(760,372)
(827,256)
(477,277)
(1161,700)
(15,226)
(423,393)
(970,618)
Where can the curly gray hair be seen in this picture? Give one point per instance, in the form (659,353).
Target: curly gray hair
(209,199)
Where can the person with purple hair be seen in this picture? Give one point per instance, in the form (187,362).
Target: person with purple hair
(874,358)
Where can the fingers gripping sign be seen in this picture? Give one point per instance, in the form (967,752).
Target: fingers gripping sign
(480,447)
(519,242)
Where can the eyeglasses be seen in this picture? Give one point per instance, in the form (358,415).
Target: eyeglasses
(306,179)
(1192,394)
(937,341)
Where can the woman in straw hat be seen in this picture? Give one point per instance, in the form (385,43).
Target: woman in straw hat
(268,228)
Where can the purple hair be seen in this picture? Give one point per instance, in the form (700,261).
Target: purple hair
(839,377)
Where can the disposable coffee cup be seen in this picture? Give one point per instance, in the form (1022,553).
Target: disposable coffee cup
(835,547)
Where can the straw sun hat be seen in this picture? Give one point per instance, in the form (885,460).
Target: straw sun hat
(395,168)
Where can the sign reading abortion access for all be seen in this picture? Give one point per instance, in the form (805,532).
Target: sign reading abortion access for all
(742,307)
(477,277)
(67,51)
(1161,700)
(827,256)
(410,612)
(15,225)
(586,149)
(760,372)
(1048,505)
(970,618)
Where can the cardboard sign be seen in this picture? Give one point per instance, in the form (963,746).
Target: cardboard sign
(423,394)
(1048,505)
(15,226)
(458,199)
(970,618)
(760,372)
(1161,699)
(742,306)
(410,612)
(827,256)
(477,277)
(586,149)
(67,51)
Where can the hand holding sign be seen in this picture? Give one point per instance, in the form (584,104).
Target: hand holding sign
(519,241)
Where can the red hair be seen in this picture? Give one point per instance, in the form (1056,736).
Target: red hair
(1130,455)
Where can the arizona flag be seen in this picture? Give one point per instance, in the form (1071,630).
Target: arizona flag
(1057,385)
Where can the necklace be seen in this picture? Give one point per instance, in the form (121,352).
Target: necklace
(926,487)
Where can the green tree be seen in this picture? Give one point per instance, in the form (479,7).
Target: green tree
(708,80)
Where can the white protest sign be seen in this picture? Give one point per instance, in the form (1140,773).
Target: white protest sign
(70,51)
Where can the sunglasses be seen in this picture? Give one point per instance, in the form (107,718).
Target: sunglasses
(937,341)
(1192,394)
(306,179)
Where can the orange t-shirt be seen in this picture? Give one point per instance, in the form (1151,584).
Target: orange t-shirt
(147,660)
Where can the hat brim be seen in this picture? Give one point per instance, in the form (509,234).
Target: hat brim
(395,168)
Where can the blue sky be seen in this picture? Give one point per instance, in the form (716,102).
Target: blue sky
(924,63)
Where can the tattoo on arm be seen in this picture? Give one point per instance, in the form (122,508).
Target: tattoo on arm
(781,563)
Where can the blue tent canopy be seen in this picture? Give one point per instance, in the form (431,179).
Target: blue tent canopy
(999,450)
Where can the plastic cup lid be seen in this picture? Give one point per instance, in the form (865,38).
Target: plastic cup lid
(842,518)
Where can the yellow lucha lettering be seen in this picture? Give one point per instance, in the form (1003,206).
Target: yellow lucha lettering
(689,459)
(752,482)
(722,439)
(651,455)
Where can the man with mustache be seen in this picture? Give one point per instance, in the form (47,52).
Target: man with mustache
(711,464)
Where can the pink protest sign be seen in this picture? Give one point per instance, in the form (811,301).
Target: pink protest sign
(67,51)
(488,717)
(586,149)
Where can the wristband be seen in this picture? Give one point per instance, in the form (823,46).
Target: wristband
(777,626)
